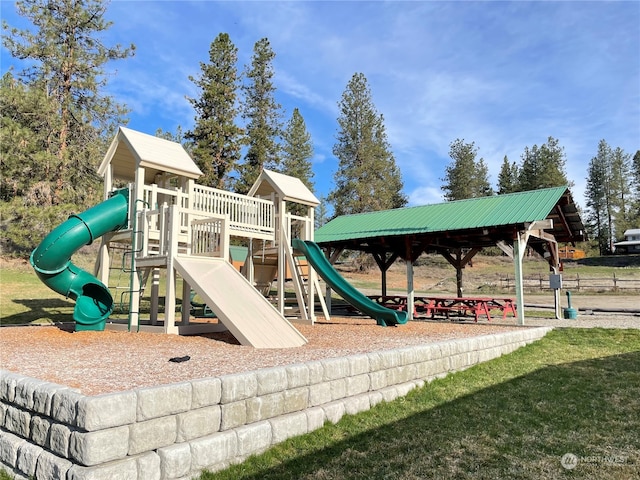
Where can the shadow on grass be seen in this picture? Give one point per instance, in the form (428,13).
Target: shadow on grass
(517,429)
(45,310)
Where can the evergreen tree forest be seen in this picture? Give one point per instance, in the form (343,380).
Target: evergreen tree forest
(57,120)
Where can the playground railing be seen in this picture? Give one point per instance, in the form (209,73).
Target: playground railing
(161,232)
(249,216)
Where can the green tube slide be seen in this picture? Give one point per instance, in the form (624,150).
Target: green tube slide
(384,316)
(52,260)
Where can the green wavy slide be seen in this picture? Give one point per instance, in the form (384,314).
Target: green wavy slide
(384,316)
(52,260)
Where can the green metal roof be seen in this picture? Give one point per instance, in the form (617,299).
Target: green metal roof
(498,210)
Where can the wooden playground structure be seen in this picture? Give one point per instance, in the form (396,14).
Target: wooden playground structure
(177,228)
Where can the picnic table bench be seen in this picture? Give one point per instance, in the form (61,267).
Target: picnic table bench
(431,306)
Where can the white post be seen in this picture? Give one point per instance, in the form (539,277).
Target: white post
(410,289)
(170,295)
(519,248)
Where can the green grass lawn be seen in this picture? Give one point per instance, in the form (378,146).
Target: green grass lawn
(577,391)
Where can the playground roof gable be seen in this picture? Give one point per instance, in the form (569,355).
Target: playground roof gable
(290,189)
(458,224)
(131,149)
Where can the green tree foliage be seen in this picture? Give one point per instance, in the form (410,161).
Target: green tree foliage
(262,114)
(543,166)
(65,60)
(297,150)
(368,178)
(217,140)
(634,211)
(27,118)
(596,193)
(321,213)
(621,189)
(464,176)
(609,195)
(508,177)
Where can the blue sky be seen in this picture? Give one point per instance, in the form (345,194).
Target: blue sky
(505,75)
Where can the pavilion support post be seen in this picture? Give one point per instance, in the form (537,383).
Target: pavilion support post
(519,248)
(459,262)
(410,289)
(459,273)
(383,264)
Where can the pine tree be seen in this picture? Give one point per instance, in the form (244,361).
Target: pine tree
(464,176)
(297,150)
(543,166)
(263,117)
(620,172)
(634,211)
(508,177)
(65,59)
(216,139)
(596,193)
(367,178)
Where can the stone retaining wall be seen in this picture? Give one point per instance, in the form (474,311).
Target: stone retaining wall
(172,432)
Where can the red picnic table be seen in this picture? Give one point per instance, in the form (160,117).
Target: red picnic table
(430,306)
(465,305)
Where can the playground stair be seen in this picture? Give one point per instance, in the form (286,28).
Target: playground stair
(244,311)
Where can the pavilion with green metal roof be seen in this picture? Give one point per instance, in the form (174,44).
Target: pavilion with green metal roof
(458,230)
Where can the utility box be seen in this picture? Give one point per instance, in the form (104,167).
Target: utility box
(555,282)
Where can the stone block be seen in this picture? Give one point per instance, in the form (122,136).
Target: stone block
(51,467)
(43,397)
(152,434)
(316,372)
(378,379)
(219,448)
(358,364)
(375,361)
(64,406)
(25,387)
(389,394)
(296,399)
(17,421)
(338,388)
(28,458)
(59,436)
(408,355)
(39,430)
(206,392)
(335,368)
(148,466)
(9,445)
(126,469)
(315,418)
(198,423)
(319,394)
(271,380)
(93,448)
(8,381)
(254,438)
(175,460)
(297,375)
(375,398)
(287,426)
(357,384)
(106,411)
(357,404)
(239,386)
(264,407)
(334,411)
(233,415)
(390,358)
(164,400)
